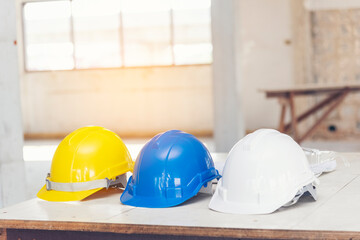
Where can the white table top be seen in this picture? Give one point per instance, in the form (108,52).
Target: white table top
(337,209)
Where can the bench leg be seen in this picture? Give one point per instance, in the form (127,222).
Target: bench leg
(283,103)
(293,116)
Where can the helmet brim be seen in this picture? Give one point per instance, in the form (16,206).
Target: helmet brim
(58,196)
(218,204)
(150,202)
(159,201)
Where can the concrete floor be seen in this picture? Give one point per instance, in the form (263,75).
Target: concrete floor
(38,155)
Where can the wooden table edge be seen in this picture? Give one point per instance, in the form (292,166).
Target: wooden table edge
(176,230)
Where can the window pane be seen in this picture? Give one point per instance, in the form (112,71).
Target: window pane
(192,31)
(147,35)
(48,36)
(96,33)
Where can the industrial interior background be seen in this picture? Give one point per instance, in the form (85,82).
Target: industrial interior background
(314,42)
(216,96)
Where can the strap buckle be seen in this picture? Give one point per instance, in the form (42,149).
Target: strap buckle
(48,182)
(310,188)
(119,181)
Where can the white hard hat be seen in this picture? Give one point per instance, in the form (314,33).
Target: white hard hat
(263,172)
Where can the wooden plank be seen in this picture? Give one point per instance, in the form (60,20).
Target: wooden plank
(3,235)
(306,87)
(182,231)
(16,234)
(308,91)
(124,134)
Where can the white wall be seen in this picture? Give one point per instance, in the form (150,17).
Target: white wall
(267,62)
(137,101)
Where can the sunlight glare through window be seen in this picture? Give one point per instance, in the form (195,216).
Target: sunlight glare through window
(85,34)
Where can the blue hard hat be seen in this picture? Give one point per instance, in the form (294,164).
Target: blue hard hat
(171,168)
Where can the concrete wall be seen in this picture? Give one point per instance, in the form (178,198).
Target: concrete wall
(12,187)
(135,101)
(267,58)
(144,101)
(227,74)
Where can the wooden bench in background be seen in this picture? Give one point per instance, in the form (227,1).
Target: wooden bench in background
(335,95)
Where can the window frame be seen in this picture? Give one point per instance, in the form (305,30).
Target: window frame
(121,44)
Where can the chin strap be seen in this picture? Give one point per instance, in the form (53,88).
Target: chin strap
(310,188)
(83,186)
(207,188)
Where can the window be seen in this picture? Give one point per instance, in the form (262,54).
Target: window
(48,36)
(96,33)
(192,35)
(82,34)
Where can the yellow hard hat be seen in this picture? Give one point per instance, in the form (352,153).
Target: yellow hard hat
(86,161)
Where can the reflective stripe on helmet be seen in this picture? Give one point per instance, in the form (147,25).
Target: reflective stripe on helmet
(83,186)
